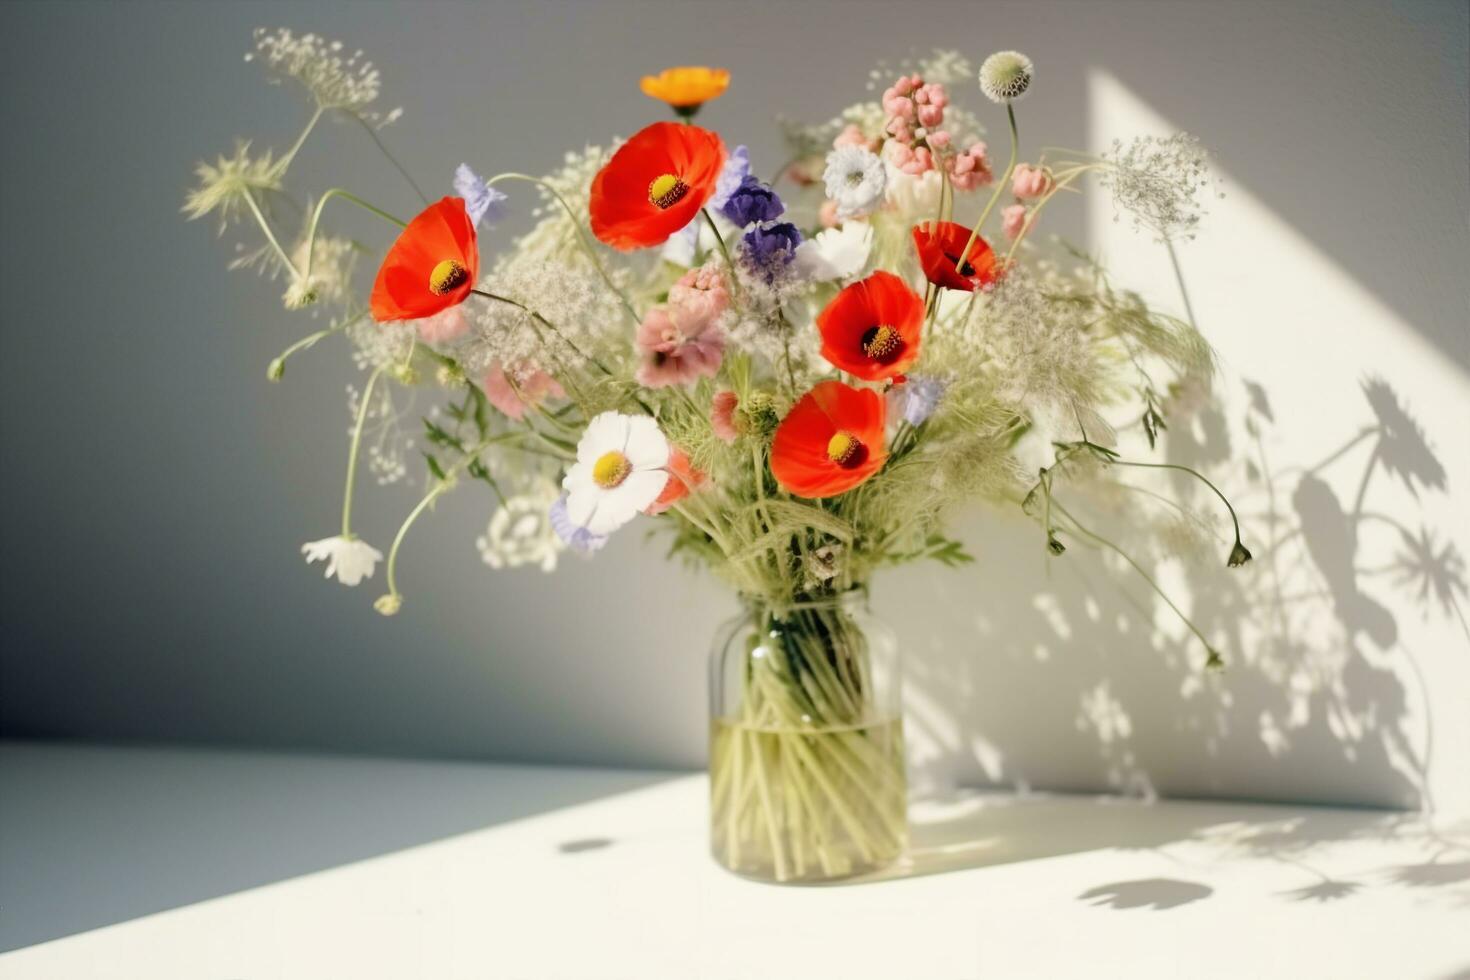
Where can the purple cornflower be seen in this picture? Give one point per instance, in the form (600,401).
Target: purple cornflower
(769,249)
(736,169)
(480,200)
(921,395)
(574,536)
(752,203)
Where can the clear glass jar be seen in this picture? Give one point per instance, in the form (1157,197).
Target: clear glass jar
(807,775)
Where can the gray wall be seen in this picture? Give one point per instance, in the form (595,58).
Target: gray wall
(155,489)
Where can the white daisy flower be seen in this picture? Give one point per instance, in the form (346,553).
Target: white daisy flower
(619,471)
(837,253)
(855,179)
(350,559)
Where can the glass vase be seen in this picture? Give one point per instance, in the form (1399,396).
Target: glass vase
(807,775)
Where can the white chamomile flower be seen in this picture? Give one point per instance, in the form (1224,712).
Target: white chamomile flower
(350,559)
(837,253)
(855,179)
(1005,76)
(521,533)
(619,471)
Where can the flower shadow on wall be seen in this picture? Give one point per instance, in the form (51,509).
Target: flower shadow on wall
(1072,686)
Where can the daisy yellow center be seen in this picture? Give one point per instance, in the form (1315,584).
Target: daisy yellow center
(846,450)
(882,343)
(445,276)
(611,469)
(666,190)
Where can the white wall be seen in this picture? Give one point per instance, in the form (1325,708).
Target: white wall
(1348,647)
(155,489)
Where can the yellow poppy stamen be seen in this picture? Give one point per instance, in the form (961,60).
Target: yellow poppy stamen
(667,190)
(611,469)
(445,276)
(846,450)
(882,343)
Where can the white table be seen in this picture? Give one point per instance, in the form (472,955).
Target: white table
(191,863)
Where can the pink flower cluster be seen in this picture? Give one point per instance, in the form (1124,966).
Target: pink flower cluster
(909,103)
(681,340)
(1029,183)
(914,112)
(513,390)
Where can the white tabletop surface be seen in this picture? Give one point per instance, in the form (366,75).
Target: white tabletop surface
(189,863)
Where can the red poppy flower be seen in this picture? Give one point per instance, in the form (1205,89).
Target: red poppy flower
(432,266)
(830,441)
(940,243)
(655,184)
(683,479)
(871,329)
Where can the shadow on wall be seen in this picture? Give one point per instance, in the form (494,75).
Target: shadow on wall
(1080,680)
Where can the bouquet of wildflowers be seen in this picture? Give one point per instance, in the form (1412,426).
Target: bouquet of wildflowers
(795,371)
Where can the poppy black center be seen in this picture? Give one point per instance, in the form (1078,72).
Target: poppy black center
(964,268)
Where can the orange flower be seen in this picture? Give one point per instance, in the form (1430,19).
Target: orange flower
(686,88)
(871,329)
(830,441)
(940,243)
(683,478)
(432,266)
(655,184)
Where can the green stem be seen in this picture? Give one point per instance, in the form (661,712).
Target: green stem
(373,133)
(1000,186)
(278,365)
(316,217)
(1194,473)
(441,487)
(270,236)
(1214,658)
(362,412)
(285,161)
(724,252)
(1179,279)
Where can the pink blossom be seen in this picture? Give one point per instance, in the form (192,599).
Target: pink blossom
(929,103)
(722,415)
(1030,182)
(938,139)
(970,168)
(827,214)
(673,356)
(443,327)
(513,391)
(1012,220)
(697,299)
(909,159)
(851,135)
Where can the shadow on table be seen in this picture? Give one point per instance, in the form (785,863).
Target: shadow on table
(91,836)
(972,831)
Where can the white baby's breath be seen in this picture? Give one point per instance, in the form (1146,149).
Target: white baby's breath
(1159,182)
(336,78)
